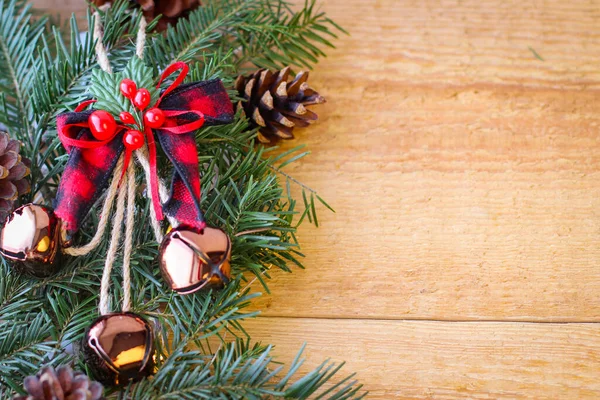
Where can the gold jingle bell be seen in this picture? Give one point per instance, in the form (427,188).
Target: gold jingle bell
(30,239)
(119,348)
(191,259)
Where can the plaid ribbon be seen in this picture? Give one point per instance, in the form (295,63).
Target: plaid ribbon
(91,162)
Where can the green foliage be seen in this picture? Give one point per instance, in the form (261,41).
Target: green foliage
(105,88)
(19,37)
(142,75)
(238,370)
(265,33)
(203,350)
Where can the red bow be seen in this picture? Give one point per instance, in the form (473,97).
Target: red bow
(185,111)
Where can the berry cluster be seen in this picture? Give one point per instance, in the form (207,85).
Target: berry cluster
(103,124)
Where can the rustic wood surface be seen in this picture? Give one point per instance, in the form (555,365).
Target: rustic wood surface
(459,147)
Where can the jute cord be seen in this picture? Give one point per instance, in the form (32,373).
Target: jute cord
(101,54)
(140,42)
(128,245)
(112,250)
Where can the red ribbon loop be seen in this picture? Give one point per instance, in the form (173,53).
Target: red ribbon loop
(83,105)
(69,141)
(185,128)
(180,65)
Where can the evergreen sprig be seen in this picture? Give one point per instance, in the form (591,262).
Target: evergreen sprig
(203,350)
(239,370)
(265,33)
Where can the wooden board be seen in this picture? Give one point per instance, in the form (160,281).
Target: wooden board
(459,146)
(448,360)
(437,220)
(465,171)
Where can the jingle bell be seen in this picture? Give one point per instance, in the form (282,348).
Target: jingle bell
(31,240)
(119,348)
(191,260)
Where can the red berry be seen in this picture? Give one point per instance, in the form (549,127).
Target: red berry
(126,118)
(133,140)
(128,88)
(154,118)
(142,99)
(102,125)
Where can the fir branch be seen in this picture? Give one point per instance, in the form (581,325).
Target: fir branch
(13,296)
(71,316)
(238,370)
(276,36)
(19,38)
(264,32)
(24,346)
(199,31)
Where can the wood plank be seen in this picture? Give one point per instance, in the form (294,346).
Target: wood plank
(465,172)
(444,360)
(498,222)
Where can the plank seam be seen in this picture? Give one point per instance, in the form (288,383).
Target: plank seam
(459,321)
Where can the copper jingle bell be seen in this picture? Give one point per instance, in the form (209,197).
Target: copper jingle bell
(119,348)
(30,239)
(191,260)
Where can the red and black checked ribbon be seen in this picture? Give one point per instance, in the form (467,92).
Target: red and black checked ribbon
(186,107)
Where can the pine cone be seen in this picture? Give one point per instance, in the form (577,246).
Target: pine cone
(276,105)
(13,174)
(61,384)
(171,10)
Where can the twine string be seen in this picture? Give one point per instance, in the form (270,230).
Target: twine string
(140,42)
(124,193)
(128,245)
(130,221)
(101,53)
(112,250)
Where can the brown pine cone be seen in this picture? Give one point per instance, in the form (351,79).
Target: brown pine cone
(61,384)
(276,105)
(171,10)
(13,174)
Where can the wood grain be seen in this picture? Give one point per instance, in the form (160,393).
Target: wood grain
(465,172)
(435,222)
(444,360)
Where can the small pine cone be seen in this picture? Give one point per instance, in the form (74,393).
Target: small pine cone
(13,174)
(61,384)
(276,105)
